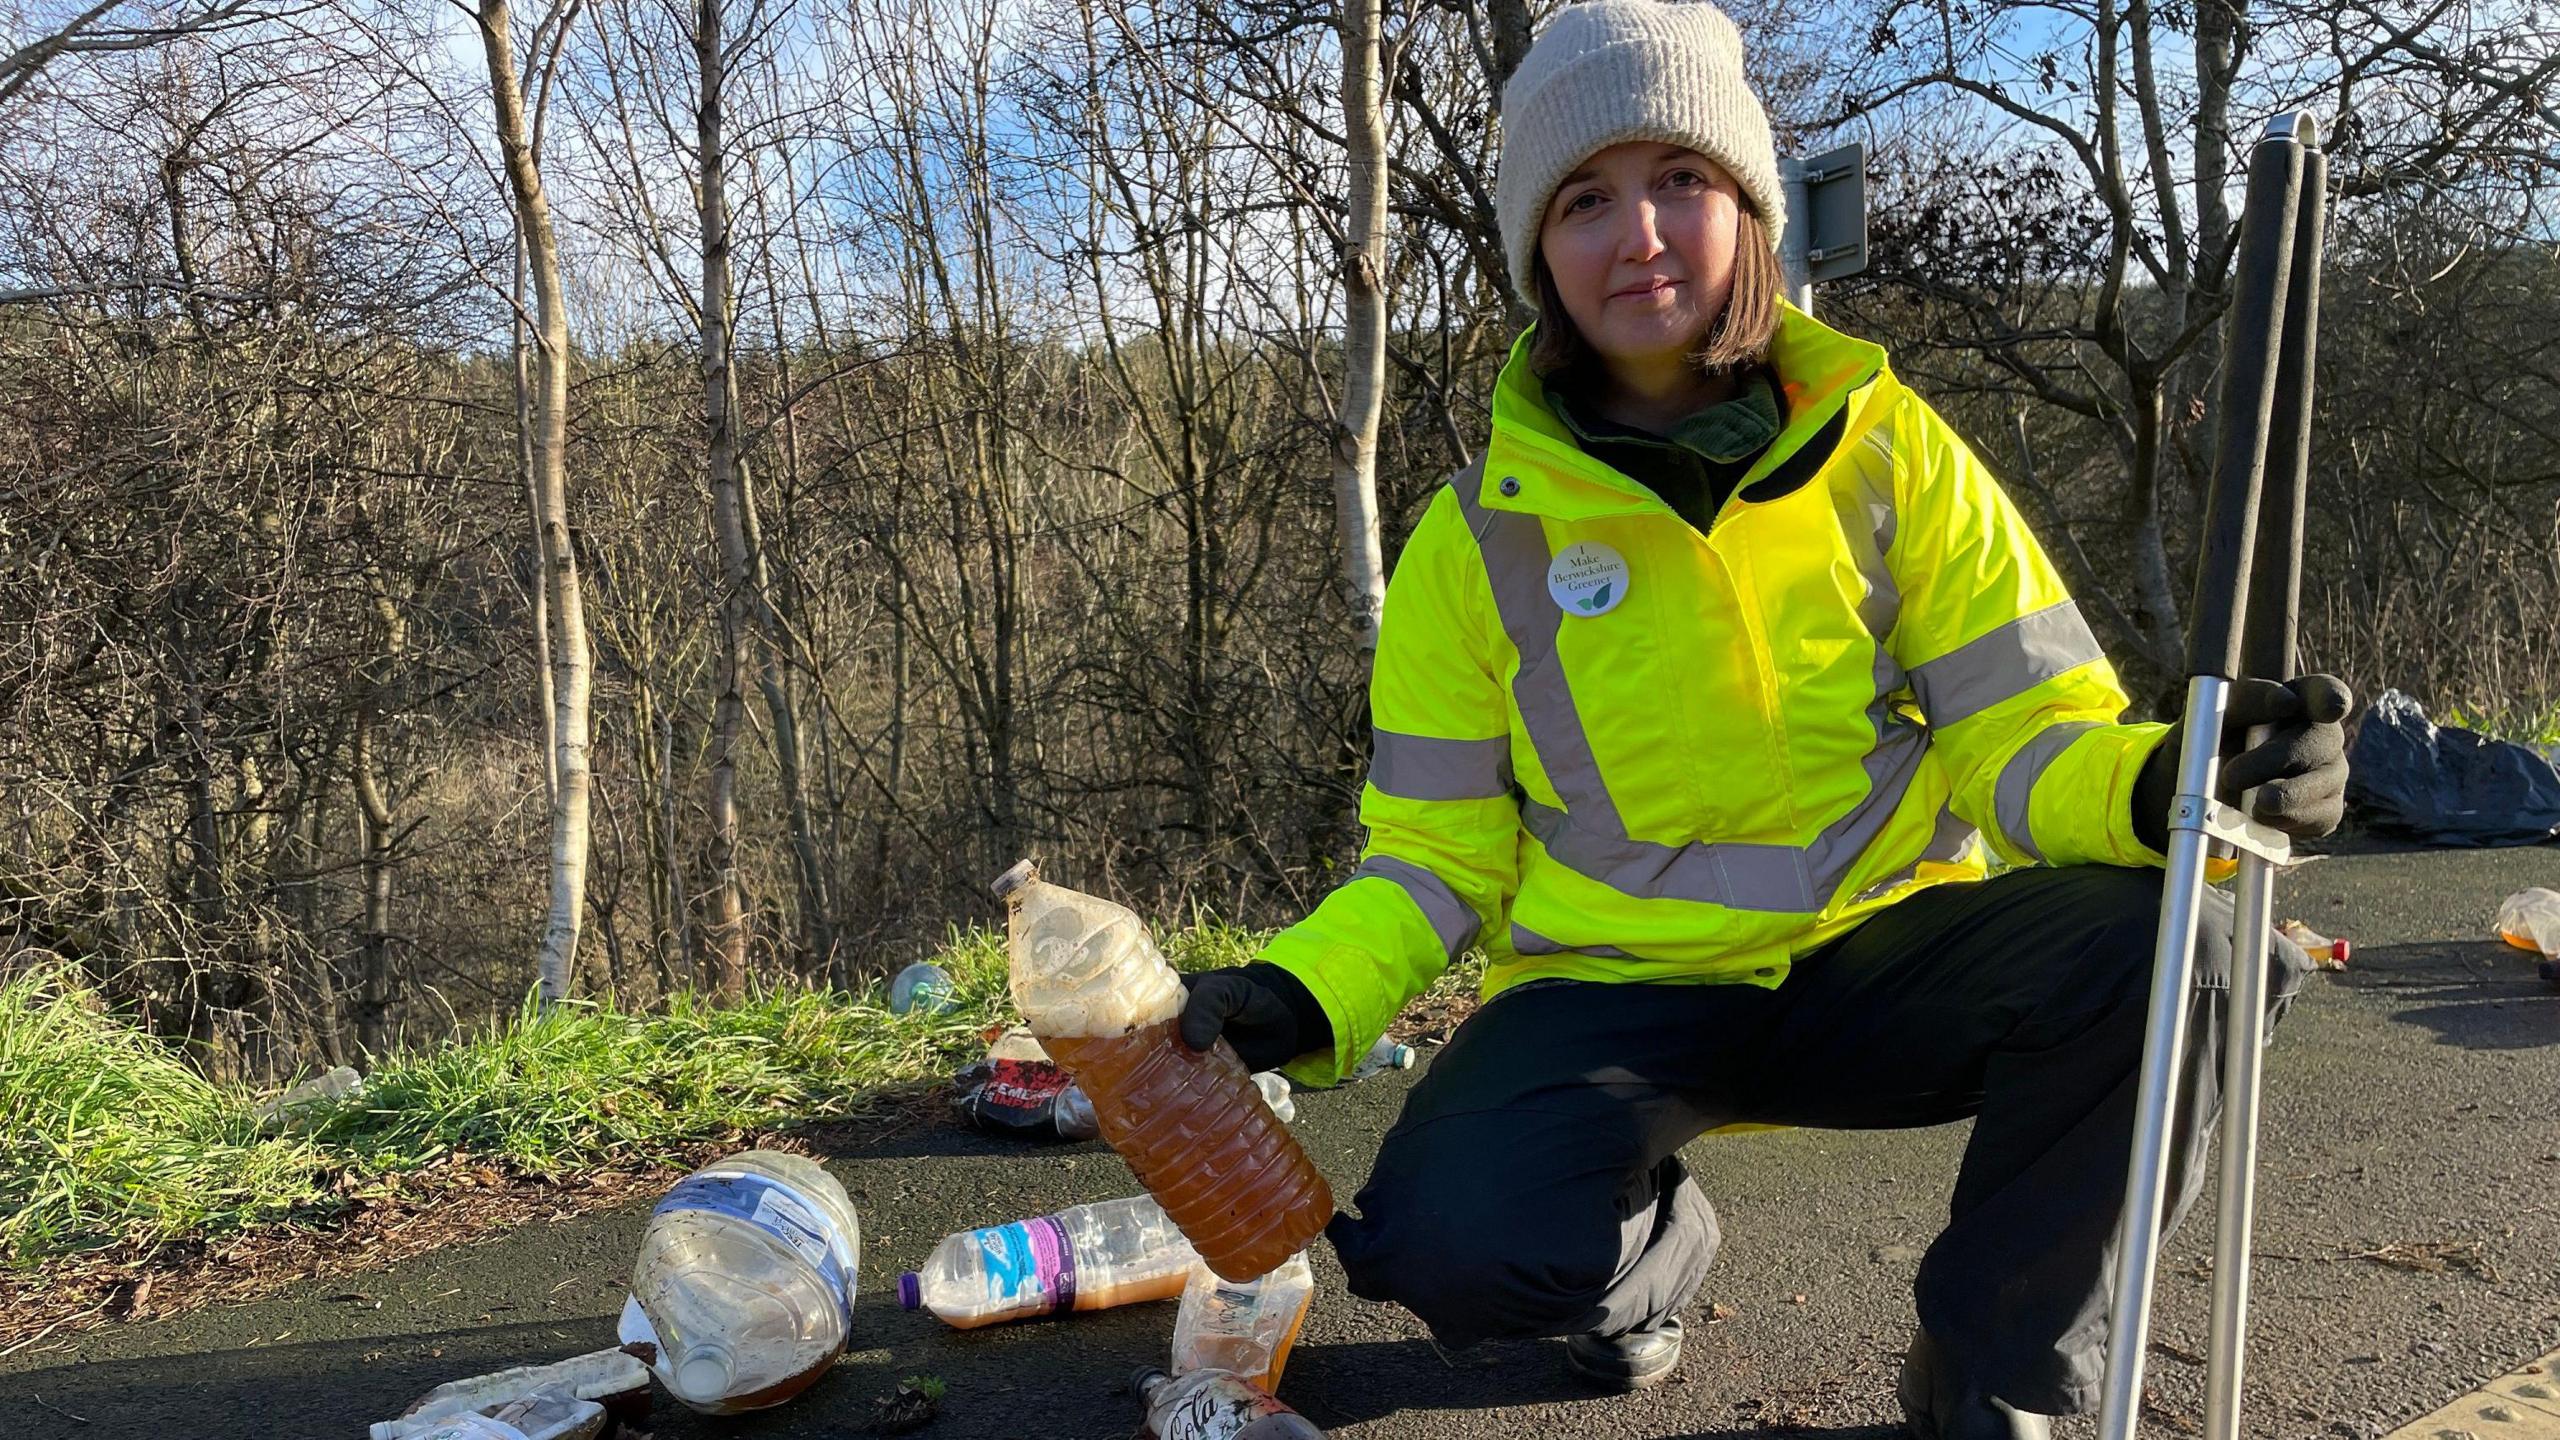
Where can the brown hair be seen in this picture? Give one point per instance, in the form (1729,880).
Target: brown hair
(1738,340)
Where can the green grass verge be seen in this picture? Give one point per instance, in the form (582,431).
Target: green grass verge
(2522,724)
(106,1137)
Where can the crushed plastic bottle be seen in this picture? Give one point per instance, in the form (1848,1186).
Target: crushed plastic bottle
(1073,1115)
(1088,1257)
(614,1379)
(1075,1119)
(1191,1124)
(312,1101)
(745,1281)
(1247,1329)
(551,1415)
(1275,1093)
(2530,920)
(1216,1405)
(1385,1055)
(1014,1042)
(923,986)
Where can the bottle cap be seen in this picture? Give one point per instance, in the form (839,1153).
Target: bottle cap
(1022,873)
(1147,1378)
(910,1291)
(703,1375)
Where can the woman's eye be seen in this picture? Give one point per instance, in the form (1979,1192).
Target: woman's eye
(1687,177)
(1583,201)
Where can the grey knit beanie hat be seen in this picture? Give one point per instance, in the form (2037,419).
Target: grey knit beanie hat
(1608,71)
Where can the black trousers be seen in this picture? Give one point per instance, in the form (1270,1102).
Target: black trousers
(1532,1185)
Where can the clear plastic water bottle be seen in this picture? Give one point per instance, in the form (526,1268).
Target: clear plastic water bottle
(614,1379)
(1088,1257)
(923,986)
(1247,1328)
(746,1278)
(551,1415)
(1385,1055)
(1216,1405)
(1075,1119)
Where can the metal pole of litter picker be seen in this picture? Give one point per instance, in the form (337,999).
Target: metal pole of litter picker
(2267,650)
(2257,348)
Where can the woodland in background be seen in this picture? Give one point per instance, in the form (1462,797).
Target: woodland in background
(645,494)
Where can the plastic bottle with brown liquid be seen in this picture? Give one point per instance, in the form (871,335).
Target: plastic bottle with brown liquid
(1190,1123)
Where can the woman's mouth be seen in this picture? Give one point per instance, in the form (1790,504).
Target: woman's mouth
(1644,291)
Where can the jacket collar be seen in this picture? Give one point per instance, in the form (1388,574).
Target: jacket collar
(1536,466)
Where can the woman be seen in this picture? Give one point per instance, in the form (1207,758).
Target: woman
(1702,704)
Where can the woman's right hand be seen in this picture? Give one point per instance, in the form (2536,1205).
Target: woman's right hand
(1265,1013)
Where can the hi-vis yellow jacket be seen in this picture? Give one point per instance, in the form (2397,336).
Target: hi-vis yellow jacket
(1611,748)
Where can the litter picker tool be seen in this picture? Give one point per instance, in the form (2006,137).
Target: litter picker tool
(2248,586)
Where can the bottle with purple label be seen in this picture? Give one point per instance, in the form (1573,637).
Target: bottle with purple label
(745,1281)
(1089,1257)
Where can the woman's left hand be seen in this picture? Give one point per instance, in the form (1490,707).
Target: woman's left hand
(2299,770)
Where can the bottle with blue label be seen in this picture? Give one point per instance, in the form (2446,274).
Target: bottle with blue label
(745,1281)
(1089,1257)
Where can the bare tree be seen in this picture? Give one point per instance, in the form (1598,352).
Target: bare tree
(572,671)
(727,930)
(95,31)
(2062,218)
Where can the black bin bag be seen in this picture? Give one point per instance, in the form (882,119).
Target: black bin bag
(2407,775)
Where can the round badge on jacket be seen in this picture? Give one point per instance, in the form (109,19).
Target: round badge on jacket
(1587,578)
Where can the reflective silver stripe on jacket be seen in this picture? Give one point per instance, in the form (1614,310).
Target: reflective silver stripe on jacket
(1589,835)
(1425,767)
(1515,553)
(1867,521)
(1525,941)
(2016,786)
(1742,875)
(2003,663)
(1948,843)
(1452,919)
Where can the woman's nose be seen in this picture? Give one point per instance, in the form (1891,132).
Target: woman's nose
(1644,232)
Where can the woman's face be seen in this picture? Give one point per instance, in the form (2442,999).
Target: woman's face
(1640,241)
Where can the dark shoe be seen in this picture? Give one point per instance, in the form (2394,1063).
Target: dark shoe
(1633,1361)
(1939,1403)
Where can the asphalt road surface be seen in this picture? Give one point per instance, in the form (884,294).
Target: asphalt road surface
(2409,1239)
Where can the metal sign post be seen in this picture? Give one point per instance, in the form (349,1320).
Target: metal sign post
(1826,234)
(2247,592)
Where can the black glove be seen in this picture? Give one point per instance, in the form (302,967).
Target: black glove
(2299,770)
(1266,1013)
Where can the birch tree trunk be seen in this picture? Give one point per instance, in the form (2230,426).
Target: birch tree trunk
(570,665)
(1364,340)
(533,509)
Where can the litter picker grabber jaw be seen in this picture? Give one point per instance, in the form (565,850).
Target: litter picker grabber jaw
(2248,587)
